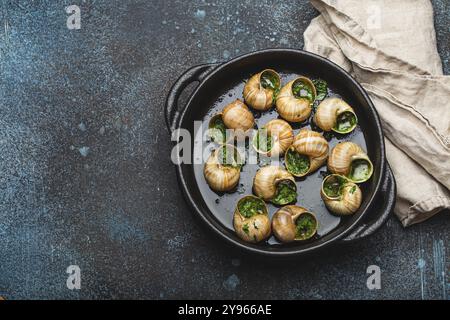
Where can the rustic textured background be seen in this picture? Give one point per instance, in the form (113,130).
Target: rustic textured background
(85,173)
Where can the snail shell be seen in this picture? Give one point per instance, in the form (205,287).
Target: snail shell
(334,114)
(346,197)
(284,224)
(222,176)
(237,116)
(255,228)
(258,94)
(269,179)
(293,108)
(311,144)
(349,160)
(281,135)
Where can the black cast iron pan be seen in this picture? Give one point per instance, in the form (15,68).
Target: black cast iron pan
(219,84)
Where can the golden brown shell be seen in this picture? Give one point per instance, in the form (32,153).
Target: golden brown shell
(255,95)
(328,112)
(254,229)
(283,223)
(349,199)
(291,108)
(343,159)
(237,116)
(221,177)
(282,137)
(313,145)
(266,181)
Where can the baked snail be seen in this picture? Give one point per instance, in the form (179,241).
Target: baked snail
(223,168)
(261,89)
(235,116)
(274,184)
(251,219)
(308,153)
(295,100)
(294,223)
(274,138)
(340,195)
(334,114)
(349,160)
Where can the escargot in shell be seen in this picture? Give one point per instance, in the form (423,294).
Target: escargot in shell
(334,114)
(294,223)
(308,153)
(348,159)
(251,219)
(340,195)
(223,168)
(235,116)
(261,88)
(274,184)
(295,99)
(274,138)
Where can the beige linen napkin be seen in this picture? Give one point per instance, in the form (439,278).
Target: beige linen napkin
(389,46)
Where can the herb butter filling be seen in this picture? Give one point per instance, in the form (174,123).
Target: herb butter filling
(305,226)
(218,130)
(345,122)
(228,157)
(360,170)
(297,163)
(269,80)
(250,206)
(302,90)
(332,186)
(286,193)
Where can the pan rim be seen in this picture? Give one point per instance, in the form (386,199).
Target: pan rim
(291,252)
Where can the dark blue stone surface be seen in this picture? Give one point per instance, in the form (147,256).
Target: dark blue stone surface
(85,171)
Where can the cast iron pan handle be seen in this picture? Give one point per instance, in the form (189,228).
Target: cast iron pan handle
(383,208)
(197,73)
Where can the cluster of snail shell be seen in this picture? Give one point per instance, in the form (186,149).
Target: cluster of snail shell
(340,191)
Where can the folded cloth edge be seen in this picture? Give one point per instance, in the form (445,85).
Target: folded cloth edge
(423,209)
